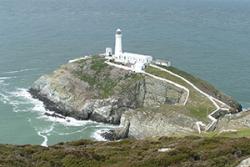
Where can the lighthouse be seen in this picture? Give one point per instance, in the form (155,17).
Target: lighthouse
(136,62)
(118,43)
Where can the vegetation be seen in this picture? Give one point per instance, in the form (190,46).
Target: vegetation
(232,134)
(183,152)
(206,87)
(203,85)
(198,105)
(98,64)
(99,67)
(98,76)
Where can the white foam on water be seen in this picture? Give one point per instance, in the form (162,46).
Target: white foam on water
(21,97)
(39,107)
(97,135)
(18,71)
(68,121)
(70,133)
(3,79)
(6,78)
(4,98)
(22,101)
(44,134)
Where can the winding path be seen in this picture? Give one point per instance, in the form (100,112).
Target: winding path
(211,98)
(214,100)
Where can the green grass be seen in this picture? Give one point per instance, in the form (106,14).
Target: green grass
(237,134)
(98,64)
(206,87)
(198,105)
(87,78)
(203,85)
(230,134)
(100,79)
(106,87)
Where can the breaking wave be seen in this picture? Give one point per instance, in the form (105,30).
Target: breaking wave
(22,101)
(18,71)
(44,134)
(97,135)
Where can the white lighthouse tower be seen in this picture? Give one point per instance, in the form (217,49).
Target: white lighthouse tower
(137,62)
(118,43)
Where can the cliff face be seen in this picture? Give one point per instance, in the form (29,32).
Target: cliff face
(91,89)
(236,122)
(156,122)
(209,89)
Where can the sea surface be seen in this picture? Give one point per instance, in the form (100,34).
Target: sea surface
(208,38)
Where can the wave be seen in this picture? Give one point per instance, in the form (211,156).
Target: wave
(44,134)
(6,78)
(97,135)
(18,71)
(39,107)
(71,133)
(3,79)
(4,98)
(22,101)
(22,96)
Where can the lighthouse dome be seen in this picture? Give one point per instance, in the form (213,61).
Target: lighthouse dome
(118,31)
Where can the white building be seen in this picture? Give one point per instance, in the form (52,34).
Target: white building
(135,61)
(162,62)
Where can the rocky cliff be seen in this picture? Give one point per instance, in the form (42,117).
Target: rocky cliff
(235,122)
(91,89)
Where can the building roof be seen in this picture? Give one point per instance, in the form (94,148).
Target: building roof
(135,55)
(161,60)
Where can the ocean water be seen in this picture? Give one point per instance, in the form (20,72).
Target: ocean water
(208,38)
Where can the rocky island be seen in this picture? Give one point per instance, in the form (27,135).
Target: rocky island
(166,116)
(159,112)
(143,105)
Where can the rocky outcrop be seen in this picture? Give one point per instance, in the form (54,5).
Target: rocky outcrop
(244,163)
(145,124)
(234,121)
(117,134)
(90,89)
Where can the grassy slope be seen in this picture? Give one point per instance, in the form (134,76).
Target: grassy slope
(198,105)
(206,87)
(188,151)
(104,85)
(245,132)
(100,80)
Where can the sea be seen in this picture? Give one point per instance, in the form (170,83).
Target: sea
(207,38)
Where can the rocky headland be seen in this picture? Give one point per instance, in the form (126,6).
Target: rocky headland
(144,106)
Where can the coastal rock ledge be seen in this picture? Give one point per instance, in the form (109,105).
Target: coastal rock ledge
(91,89)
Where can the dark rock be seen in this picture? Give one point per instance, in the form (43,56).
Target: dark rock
(54,115)
(116,134)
